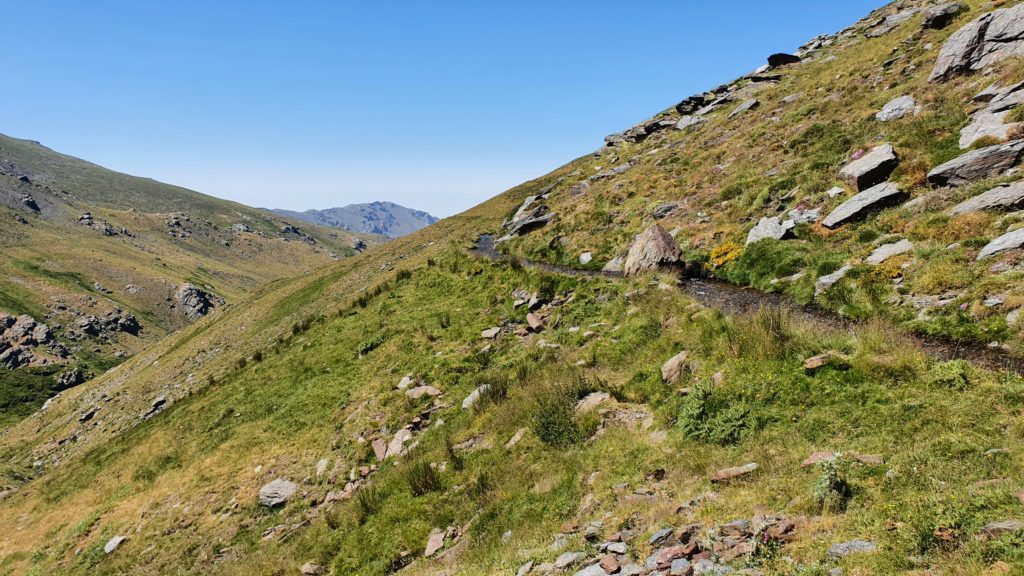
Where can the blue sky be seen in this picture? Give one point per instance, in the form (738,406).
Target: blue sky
(312,104)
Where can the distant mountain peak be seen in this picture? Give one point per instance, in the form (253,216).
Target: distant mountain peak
(377,217)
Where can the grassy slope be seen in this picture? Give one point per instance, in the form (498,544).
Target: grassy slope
(732,171)
(186,480)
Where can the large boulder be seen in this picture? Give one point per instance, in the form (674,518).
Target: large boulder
(978,164)
(1005,197)
(651,250)
(195,303)
(770,227)
(981,43)
(876,198)
(781,59)
(1008,241)
(872,168)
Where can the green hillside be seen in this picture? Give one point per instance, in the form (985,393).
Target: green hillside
(424,409)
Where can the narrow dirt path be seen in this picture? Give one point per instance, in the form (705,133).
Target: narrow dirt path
(735,299)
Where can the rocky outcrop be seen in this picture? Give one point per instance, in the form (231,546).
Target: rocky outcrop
(938,17)
(770,228)
(872,168)
(194,302)
(651,250)
(782,59)
(1005,197)
(983,42)
(876,198)
(978,164)
(990,120)
(1008,241)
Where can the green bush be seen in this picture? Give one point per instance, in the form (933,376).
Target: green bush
(554,419)
(709,418)
(422,478)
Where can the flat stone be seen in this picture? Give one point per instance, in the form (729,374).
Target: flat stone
(113,544)
(1005,197)
(844,549)
(397,443)
(592,401)
(825,282)
(818,457)
(534,322)
(614,266)
(312,569)
(490,333)
(872,168)
(421,391)
(770,228)
(1008,241)
(876,198)
(659,536)
(897,108)
(746,105)
(978,164)
(886,251)
(687,122)
(277,492)
(986,124)
(568,559)
(728,474)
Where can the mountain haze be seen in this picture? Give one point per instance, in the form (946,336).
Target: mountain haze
(773,329)
(383,218)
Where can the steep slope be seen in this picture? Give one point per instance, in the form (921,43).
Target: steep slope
(420,410)
(384,218)
(96,264)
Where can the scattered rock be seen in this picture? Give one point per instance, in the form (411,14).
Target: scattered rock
(897,109)
(770,228)
(277,492)
(490,333)
(568,559)
(312,569)
(434,543)
(886,251)
(534,322)
(727,474)
(651,250)
(397,443)
(982,42)
(746,105)
(1008,241)
(825,282)
(672,370)
(881,196)
(844,549)
(815,363)
(690,122)
(586,258)
(997,529)
(872,168)
(614,266)
(592,401)
(978,164)
(474,396)
(421,391)
(664,210)
(113,544)
(816,458)
(1005,197)
(938,17)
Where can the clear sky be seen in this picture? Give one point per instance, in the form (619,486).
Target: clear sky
(312,104)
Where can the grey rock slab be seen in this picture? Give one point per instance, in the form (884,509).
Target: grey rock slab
(844,549)
(277,492)
(687,122)
(825,282)
(872,168)
(1005,197)
(886,251)
(113,544)
(985,124)
(978,164)
(875,198)
(614,265)
(770,228)
(897,108)
(592,570)
(982,42)
(746,105)
(997,529)
(568,559)
(1008,241)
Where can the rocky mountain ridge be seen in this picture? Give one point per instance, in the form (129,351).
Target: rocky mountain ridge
(383,218)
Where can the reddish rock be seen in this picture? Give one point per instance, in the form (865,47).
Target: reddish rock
(869,459)
(818,457)
(728,474)
(534,322)
(666,556)
(610,564)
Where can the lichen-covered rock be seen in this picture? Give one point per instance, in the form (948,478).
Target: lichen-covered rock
(897,108)
(886,251)
(770,228)
(277,492)
(1005,197)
